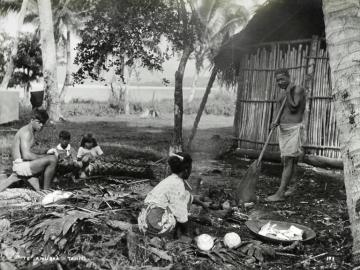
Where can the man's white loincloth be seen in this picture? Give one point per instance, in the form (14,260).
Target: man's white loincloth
(290,139)
(21,168)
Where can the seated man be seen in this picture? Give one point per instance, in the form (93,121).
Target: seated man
(26,163)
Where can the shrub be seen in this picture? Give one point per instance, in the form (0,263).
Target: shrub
(217,104)
(80,100)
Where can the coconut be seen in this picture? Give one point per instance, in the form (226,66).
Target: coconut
(232,240)
(204,242)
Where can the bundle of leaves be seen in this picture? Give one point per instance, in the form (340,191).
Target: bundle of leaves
(110,198)
(53,233)
(120,168)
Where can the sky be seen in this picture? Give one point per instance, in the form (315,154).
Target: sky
(170,66)
(9,24)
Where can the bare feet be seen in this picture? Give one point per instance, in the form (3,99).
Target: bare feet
(275,198)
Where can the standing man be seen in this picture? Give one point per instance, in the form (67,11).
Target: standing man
(26,163)
(290,130)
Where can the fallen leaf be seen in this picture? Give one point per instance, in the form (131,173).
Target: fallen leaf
(161,253)
(117,224)
(7,266)
(9,253)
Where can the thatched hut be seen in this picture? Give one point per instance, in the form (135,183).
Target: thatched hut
(290,34)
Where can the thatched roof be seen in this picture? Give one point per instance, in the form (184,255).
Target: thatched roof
(276,20)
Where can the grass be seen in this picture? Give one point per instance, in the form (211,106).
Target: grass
(126,136)
(5,150)
(120,135)
(219,104)
(5,142)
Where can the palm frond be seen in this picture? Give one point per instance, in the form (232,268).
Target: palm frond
(32,18)
(218,18)
(9,5)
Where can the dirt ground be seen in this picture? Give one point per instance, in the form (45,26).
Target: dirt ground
(319,202)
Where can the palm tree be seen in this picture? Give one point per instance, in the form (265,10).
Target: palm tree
(48,50)
(342,27)
(11,65)
(216,18)
(67,19)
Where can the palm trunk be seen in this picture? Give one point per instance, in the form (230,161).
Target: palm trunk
(202,107)
(177,145)
(67,81)
(11,64)
(342,26)
(48,51)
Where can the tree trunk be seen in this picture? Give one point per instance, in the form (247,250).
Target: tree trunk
(114,90)
(27,92)
(342,27)
(48,51)
(126,91)
(126,99)
(177,144)
(11,64)
(67,81)
(202,107)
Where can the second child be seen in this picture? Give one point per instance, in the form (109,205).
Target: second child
(88,152)
(66,155)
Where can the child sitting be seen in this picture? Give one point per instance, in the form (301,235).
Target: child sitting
(65,153)
(88,152)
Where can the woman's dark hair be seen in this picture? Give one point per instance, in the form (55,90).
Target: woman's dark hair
(64,134)
(40,115)
(88,138)
(179,162)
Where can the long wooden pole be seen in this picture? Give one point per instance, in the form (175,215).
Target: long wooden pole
(309,85)
(271,132)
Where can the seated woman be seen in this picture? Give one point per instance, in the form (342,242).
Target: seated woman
(167,204)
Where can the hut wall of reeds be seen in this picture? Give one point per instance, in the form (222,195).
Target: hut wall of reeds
(282,34)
